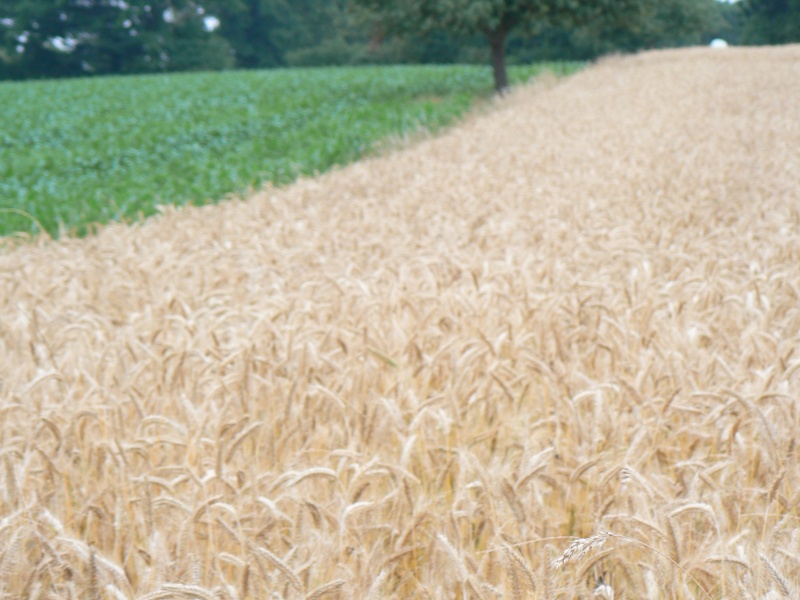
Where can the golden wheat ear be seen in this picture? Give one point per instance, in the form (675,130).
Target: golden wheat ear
(579,548)
(558,341)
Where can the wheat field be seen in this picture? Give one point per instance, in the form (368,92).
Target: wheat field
(550,353)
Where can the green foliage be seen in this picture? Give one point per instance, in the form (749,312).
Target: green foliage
(74,152)
(657,24)
(493,19)
(256,30)
(771,21)
(113,37)
(58,38)
(490,17)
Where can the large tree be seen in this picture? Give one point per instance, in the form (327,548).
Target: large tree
(665,23)
(56,38)
(48,38)
(771,21)
(263,32)
(493,19)
(254,29)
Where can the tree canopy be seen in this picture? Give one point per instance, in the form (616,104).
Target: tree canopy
(494,19)
(771,21)
(56,38)
(49,38)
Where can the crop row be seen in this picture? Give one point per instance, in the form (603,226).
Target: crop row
(77,152)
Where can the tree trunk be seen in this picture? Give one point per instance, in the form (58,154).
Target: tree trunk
(497,41)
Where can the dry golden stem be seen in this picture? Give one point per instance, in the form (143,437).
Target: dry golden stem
(578,311)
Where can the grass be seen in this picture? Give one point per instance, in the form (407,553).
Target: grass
(550,353)
(77,152)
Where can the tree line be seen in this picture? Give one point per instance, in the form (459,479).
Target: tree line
(62,38)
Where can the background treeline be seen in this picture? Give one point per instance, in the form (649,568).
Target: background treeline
(58,38)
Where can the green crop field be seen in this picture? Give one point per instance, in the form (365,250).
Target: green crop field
(77,152)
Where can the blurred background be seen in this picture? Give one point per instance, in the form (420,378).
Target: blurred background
(67,38)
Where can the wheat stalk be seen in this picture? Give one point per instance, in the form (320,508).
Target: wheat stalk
(435,371)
